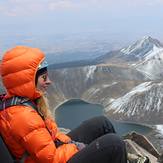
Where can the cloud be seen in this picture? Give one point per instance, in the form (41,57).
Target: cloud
(32,7)
(124,2)
(62,5)
(22,7)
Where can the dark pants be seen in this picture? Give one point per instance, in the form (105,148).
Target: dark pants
(104,146)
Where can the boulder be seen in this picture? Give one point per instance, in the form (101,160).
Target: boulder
(140,148)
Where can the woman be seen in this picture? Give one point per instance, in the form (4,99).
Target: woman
(32,135)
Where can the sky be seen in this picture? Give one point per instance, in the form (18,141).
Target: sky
(115,19)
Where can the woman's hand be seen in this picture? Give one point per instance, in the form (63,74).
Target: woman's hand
(79,145)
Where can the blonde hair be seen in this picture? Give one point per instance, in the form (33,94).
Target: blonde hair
(43,107)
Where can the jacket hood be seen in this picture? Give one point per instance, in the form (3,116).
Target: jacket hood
(18,69)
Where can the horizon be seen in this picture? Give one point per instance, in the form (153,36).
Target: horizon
(36,21)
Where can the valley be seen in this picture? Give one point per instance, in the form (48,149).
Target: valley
(125,91)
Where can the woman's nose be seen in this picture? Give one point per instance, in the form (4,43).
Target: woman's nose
(48,81)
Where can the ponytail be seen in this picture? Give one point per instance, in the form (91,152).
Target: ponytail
(43,107)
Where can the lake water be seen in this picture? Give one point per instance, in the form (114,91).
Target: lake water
(72,113)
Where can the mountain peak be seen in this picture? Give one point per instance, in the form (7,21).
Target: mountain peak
(150,40)
(147,38)
(142,47)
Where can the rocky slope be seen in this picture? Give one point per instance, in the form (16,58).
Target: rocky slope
(97,84)
(75,81)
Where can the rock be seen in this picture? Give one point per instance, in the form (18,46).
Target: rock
(135,152)
(143,142)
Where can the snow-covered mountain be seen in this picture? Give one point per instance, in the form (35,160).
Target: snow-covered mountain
(145,55)
(149,52)
(144,103)
(143,48)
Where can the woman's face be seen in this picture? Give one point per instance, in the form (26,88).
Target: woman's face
(43,82)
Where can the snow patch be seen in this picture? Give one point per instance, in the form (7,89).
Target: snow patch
(111,99)
(108,85)
(160,128)
(90,71)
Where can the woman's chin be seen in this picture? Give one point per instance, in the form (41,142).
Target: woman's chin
(43,90)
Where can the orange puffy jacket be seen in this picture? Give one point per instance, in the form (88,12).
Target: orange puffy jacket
(22,127)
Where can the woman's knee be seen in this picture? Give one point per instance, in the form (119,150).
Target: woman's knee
(113,140)
(105,123)
(113,146)
(118,148)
